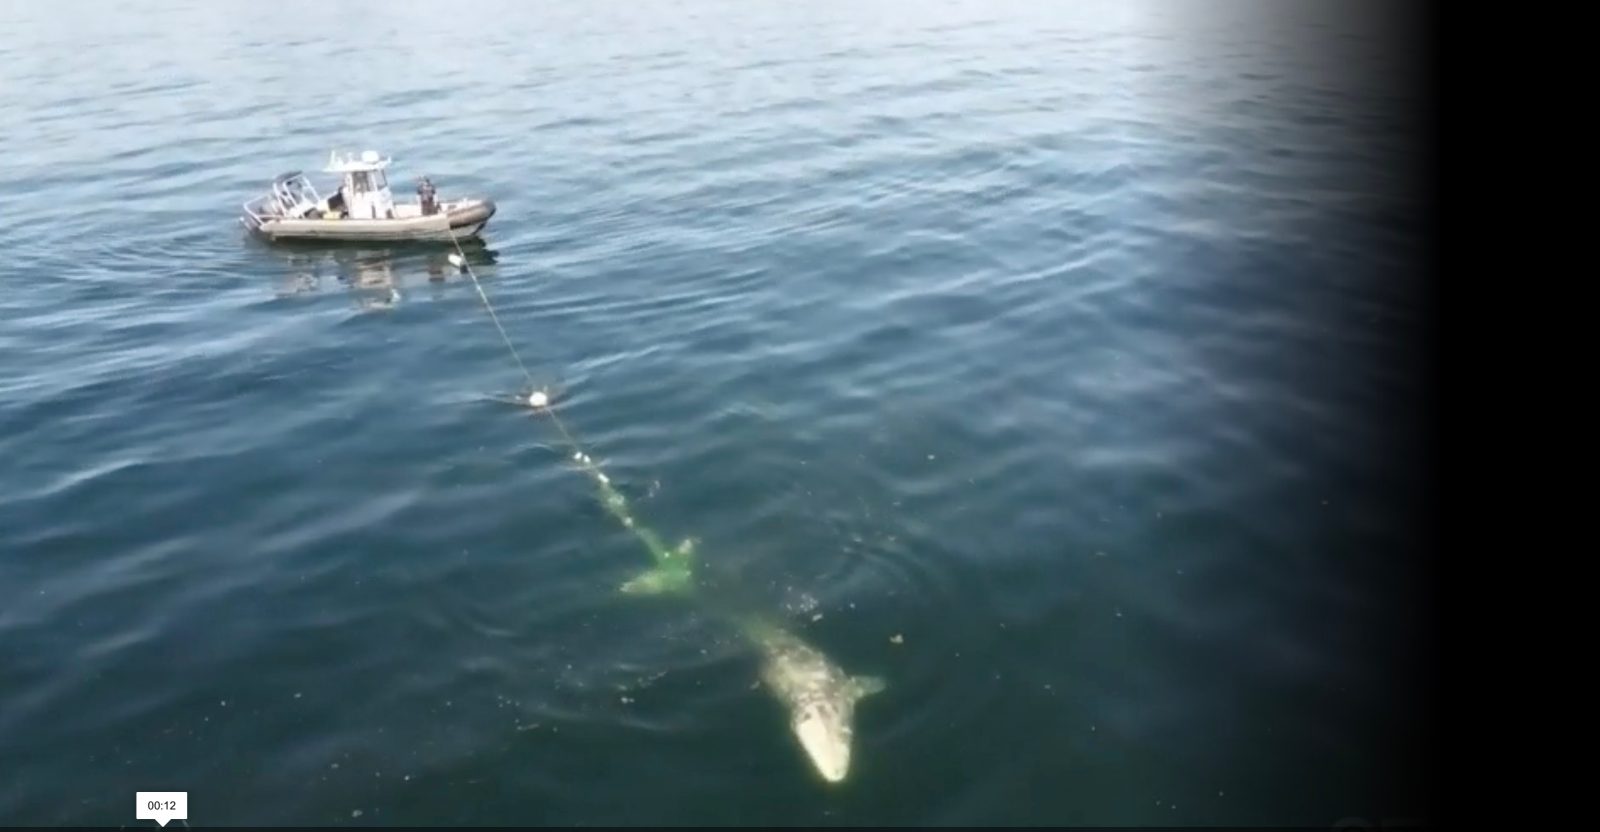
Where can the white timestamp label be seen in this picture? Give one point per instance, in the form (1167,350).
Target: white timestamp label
(162,807)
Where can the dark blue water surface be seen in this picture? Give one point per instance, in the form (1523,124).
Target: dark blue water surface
(1050,360)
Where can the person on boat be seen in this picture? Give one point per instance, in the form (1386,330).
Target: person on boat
(425,195)
(336,205)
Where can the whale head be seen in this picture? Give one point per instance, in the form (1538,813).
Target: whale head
(820,696)
(824,730)
(822,702)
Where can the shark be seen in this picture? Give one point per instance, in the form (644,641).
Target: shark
(819,696)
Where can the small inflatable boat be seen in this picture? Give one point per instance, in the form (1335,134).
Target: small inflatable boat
(363,209)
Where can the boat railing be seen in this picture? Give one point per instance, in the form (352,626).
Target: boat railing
(290,196)
(254,209)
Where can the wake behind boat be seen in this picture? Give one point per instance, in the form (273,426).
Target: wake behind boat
(362,209)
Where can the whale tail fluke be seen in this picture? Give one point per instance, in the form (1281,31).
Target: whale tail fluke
(673,572)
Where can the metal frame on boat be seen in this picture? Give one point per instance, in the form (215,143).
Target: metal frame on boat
(362,209)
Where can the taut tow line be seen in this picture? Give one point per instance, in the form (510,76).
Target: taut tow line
(539,401)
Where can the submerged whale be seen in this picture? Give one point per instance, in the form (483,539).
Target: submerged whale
(819,695)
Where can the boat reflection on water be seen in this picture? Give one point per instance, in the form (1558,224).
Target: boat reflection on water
(378,277)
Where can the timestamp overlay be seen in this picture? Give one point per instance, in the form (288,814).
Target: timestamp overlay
(162,807)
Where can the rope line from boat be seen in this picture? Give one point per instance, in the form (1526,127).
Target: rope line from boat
(489,306)
(536,399)
(539,401)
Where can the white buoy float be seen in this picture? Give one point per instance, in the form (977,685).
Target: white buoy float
(538,398)
(458,261)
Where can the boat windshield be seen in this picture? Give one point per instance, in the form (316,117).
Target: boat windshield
(362,181)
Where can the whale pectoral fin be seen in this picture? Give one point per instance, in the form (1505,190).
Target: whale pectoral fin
(657,581)
(869,685)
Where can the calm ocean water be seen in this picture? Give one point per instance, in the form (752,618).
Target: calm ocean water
(1052,361)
